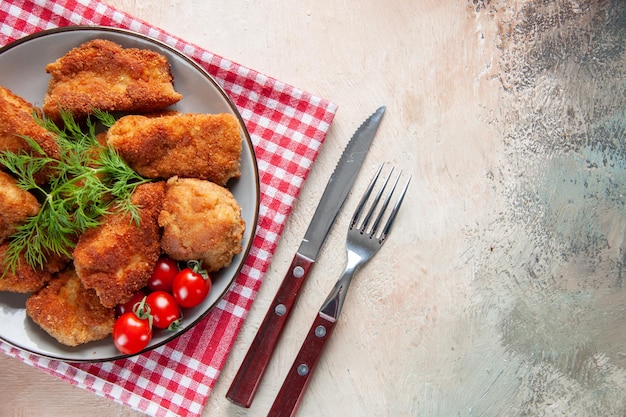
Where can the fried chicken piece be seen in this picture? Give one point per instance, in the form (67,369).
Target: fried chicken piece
(101,74)
(16,205)
(201,220)
(117,257)
(16,119)
(69,312)
(205,146)
(26,279)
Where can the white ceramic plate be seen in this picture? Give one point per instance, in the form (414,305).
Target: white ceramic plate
(22,69)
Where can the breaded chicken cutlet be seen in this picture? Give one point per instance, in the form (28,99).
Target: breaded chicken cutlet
(16,205)
(16,120)
(204,146)
(100,74)
(201,220)
(26,279)
(117,257)
(69,312)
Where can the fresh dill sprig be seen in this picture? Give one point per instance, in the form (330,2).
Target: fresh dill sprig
(90,180)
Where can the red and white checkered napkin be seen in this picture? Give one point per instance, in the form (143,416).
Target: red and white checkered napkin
(287,127)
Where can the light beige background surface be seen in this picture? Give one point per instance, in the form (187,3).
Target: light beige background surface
(499,291)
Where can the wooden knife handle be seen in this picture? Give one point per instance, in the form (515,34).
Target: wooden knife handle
(244,386)
(292,391)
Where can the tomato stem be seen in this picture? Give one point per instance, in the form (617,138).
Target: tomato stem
(175,325)
(196,266)
(142,310)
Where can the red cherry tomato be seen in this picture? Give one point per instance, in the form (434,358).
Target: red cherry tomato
(164,310)
(163,275)
(130,304)
(190,287)
(131,333)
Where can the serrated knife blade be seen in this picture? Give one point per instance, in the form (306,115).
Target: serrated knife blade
(246,381)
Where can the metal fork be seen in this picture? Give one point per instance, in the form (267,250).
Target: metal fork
(365,238)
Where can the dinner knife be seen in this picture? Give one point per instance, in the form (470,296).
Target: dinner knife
(250,373)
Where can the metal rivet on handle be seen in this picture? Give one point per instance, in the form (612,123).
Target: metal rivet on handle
(320,331)
(280,310)
(298,272)
(303,369)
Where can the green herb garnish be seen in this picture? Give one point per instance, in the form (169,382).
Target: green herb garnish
(89,181)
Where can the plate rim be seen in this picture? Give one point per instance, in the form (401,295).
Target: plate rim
(246,137)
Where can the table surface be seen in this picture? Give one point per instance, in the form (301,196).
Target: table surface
(475,305)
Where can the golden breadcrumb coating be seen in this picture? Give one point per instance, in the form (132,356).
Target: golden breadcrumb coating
(16,119)
(69,312)
(26,279)
(16,205)
(117,257)
(201,220)
(101,74)
(205,146)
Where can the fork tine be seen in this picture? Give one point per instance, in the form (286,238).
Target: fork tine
(394,212)
(374,204)
(383,209)
(361,205)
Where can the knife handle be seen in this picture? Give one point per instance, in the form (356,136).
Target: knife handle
(246,381)
(292,391)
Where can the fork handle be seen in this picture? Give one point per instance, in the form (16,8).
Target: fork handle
(246,382)
(292,391)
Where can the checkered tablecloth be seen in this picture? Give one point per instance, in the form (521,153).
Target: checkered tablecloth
(287,126)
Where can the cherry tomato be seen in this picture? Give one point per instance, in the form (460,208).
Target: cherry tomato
(132,333)
(164,310)
(190,286)
(163,274)
(130,304)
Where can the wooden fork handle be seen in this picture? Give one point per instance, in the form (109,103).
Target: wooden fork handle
(246,382)
(292,391)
